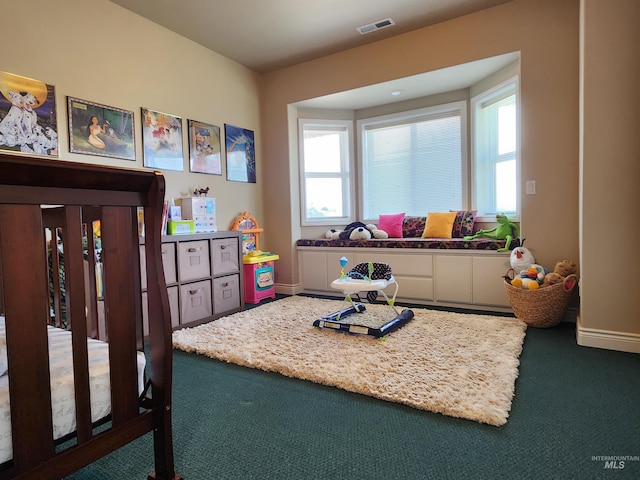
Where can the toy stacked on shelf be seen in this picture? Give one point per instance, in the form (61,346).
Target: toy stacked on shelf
(202,210)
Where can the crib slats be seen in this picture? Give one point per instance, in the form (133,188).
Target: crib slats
(26,292)
(112,195)
(76,317)
(122,308)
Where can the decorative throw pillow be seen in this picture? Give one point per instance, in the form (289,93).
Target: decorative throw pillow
(439,225)
(392,224)
(412,227)
(464,223)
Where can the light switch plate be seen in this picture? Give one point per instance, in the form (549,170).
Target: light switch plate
(530,187)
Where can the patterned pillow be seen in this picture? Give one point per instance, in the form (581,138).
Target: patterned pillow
(464,223)
(412,227)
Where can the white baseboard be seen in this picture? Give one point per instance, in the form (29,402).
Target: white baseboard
(607,339)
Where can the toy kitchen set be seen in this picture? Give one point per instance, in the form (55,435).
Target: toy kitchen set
(259,274)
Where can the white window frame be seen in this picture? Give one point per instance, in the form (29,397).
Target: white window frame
(346,167)
(413,115)
(497,92)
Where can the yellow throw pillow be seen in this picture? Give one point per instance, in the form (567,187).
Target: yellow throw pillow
(439,225)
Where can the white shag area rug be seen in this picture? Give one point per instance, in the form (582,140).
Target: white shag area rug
(461,365)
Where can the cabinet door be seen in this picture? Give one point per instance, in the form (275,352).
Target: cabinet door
(488,286)
(224,253)
(313,270)
(453,278)
(413,273)
(193,260)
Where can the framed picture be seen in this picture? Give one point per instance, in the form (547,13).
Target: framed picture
(162,140)
(97,129)
(204,148)
(28,116)
(241,154)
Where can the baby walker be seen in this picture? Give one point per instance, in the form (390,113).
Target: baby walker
(372,278)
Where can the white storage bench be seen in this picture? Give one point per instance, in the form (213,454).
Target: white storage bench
(429,272)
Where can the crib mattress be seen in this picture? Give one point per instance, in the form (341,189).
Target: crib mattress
(62,392)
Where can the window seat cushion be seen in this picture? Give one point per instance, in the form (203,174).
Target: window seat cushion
(425,243)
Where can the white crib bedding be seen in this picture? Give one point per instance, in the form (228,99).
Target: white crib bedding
(62,392)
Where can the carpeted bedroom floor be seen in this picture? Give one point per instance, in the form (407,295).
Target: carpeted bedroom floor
(572,407)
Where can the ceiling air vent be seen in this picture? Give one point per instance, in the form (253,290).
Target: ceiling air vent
(372,27)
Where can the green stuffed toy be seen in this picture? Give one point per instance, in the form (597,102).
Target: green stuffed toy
(506,230)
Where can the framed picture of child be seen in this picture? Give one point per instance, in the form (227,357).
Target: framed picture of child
(204,148)
(96,129)
(28,114)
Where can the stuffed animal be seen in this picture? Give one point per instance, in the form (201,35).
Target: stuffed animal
(332,234)
(562,269)
(521,258)
(506,230)
(530,278)
(346,233)
(375,232)
(356,231)
(360,233)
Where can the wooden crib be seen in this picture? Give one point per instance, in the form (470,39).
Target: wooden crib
(42,200)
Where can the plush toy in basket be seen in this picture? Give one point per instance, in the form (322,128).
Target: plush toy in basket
(545,306)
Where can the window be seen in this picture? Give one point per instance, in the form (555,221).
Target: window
(325,162)
(495,151)
(413,162)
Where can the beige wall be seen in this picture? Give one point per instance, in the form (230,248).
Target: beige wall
(100,52)
(546,32)
(610,173)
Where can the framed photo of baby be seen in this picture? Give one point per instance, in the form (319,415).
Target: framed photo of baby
(96,129)
(28,122)
(204,148)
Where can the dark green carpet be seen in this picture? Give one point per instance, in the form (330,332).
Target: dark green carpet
(571,404)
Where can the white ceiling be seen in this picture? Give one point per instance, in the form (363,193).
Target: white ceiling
(266,35)
(416,86)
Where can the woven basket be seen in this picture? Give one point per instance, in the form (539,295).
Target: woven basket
(544,307)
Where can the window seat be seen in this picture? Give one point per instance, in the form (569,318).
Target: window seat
(439,272)
(448,272)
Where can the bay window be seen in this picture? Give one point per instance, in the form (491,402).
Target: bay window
(495,151)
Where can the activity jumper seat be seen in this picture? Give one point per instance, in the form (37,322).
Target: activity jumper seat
(372,278)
